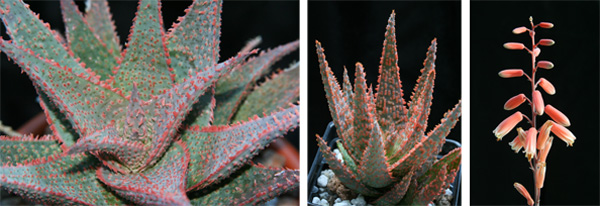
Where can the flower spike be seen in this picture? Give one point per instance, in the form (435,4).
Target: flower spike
(557,116)
(538,102)
(563,134)
(514,46)
(530,143)
(547,86)
(510,73)
(523,192)
(514,102)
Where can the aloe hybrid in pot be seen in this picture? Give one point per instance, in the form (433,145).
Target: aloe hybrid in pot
(160,122)
(384,143)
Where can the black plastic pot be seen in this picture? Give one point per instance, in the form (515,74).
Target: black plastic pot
(320,164)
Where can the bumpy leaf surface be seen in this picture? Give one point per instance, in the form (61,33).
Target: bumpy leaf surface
(250,186)
(373,170)
(17,150)
(59,180)
(194,40)
(98,18)
(395,195)
(217,151)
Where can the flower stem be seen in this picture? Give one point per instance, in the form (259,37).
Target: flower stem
(533,115)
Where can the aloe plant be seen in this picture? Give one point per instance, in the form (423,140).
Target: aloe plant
(160,122)
(387,154)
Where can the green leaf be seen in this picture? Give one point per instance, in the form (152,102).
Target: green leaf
(98,18)
(396,193)
(194,40)
(348,161)
(341,171)
(18,150)
(373,169)
(88,103)
(145,61)
(217,151)
(163,184)
(251,185)
(390,105)
(60,126)
(340,106)
(232,89)
(84,44)
(29,32)
(282,88)
(59,180)
(364,114)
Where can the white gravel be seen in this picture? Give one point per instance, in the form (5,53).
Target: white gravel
(322,180)
(359,201)
(328,173)
(343,203)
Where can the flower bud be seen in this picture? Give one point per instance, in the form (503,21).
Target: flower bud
(563,134)
(537,51)
(507,125)
(546,25)
(544,134)
(530,143)
(514,102)
(540,174)
(547,86)
(545,65)
(514,46)
(557,116)
(510,73)
(546,42)
(538,102)
(519,30)
(524,192)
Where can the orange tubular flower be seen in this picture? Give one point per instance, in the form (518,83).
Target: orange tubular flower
(563,134)
(519,30)
(519,141)
(557,116)
(547,86)
(514,46)
(538,102)
(514,102)
(546,149)
(544,134)
(540,174)
(507,125)
(530,143)
(510,73)
(537,51)
(524,192)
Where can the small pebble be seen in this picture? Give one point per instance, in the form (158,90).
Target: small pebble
(343,203)
(324,195)
(359,201)
(324,203)
(338,200)
(322,181)
(328,173)
(316,200)
(321,189)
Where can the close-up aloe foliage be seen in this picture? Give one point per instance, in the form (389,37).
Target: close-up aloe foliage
(388,156)
(157,122)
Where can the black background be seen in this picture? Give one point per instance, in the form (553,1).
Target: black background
(572,172)
(353,32)
(277,22)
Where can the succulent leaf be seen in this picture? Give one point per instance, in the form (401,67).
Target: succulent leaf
(85,101)
(424,192)
(59,180)
(364,114)
(145,61)
(59,125)
(373,169)
(98,17)
(195,33)
(233,89)
(84,44)
(340,107)
(21,149)
(163,184)
(348,161)
(170,108)
(395,195)
(201,114)
(391,109)
(282,88)
(346,176)
(217,151)
(27,31)
(265,183)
